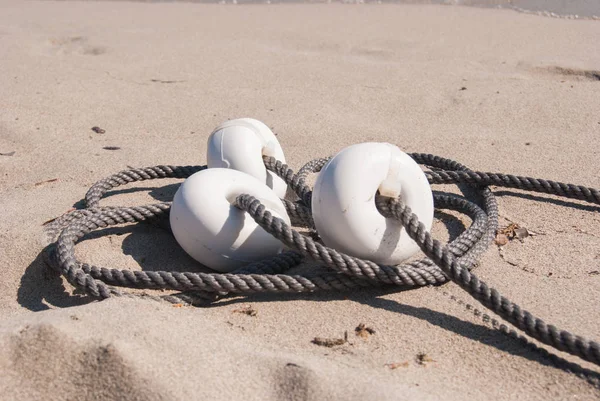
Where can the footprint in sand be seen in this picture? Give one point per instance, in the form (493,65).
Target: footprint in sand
(296,382)
(372,53)
(74,45)
(42,350)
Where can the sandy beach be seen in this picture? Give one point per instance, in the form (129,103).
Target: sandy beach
(493,89)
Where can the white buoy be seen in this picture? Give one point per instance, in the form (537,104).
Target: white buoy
(343,202)
(240,145)
(213,231)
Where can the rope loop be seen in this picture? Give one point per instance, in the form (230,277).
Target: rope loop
(443,262)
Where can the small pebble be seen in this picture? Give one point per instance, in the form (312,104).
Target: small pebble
(501,239)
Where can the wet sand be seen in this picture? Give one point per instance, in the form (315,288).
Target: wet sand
(551,8)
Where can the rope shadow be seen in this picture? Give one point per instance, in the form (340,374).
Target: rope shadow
(42,286)
(584,206)
(485,335)
(476,332)
(164,193)
(153,247)
(454,225)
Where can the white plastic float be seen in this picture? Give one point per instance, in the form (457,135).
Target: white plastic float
(217,234)
(240,144)
(343,202)
(213,231)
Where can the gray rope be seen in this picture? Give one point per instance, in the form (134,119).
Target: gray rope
(453,261)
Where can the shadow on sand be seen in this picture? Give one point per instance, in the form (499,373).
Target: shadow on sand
(155,249)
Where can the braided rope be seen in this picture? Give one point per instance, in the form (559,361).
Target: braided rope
(453,261)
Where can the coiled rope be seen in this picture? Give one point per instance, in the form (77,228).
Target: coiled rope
(451,262)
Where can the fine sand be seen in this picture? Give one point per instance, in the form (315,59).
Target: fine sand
(493,89)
